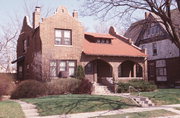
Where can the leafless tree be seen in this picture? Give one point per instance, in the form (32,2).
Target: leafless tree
(9,33)
(111,9)
(41,67)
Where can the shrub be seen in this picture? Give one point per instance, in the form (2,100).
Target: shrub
(62,86)
(85,87)
(29,89)
(141,85)
(7,84)
(123,87)
(80,72)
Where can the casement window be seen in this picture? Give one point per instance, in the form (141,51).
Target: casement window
(154,49)
(63,37)
(58,66)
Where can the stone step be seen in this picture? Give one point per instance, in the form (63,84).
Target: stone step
(142,101)
(100,89)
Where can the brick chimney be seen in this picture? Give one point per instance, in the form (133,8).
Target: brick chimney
(75,14)
(36,17)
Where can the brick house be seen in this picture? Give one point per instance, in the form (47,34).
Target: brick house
(163,55)
(56,45)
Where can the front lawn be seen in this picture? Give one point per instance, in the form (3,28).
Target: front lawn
(145,114)
(164,96)
(66,104)
(10,109)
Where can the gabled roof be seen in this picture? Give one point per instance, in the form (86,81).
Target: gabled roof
(116,48)
(135,29)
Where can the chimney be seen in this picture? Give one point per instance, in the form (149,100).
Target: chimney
(36,17)
(75,14)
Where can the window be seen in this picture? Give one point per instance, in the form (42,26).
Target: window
(107,41)
(24,45)
(20,71)
(63,37)
(161,68)
(161,71)
(53,68)
(154,49)
(71,66)
(62,66)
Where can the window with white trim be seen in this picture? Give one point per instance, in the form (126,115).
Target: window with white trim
(58,66)
(63,37)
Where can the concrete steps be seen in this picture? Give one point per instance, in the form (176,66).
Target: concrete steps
(100,89)
(142,101)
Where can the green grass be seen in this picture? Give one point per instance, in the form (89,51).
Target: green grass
(145,114)
(66,104)
(10,109)
(164,96)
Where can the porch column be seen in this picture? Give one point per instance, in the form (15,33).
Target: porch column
(134,70)
(115,74)
(95,71)
(145,68)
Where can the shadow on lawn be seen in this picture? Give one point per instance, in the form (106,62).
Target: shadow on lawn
(86,104)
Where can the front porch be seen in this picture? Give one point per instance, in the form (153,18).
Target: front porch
(109,73)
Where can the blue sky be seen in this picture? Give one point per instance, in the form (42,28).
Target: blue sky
(9,8)
(15,8)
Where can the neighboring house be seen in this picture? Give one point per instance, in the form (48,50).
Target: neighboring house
(54,47)
(163,55)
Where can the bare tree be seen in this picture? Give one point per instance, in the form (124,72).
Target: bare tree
(111,9)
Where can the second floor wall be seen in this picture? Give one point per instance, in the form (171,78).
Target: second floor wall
(61,35)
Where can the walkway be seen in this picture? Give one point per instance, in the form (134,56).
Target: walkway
(31,111)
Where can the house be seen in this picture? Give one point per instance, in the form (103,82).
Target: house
(163,55)
(55,46)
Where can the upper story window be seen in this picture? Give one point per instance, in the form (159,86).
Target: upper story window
(63,37)
(154,49)
(25,44)
(152,30)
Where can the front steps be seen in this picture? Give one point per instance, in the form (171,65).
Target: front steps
(139,100)
(142,101)
(100,89)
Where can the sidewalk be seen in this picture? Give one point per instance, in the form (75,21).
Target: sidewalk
(31,112)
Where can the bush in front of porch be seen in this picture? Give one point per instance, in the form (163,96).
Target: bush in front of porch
(140,85)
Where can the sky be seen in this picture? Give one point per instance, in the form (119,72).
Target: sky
(15,8)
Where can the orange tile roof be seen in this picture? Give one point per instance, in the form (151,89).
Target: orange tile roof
(98,35)
(116,48)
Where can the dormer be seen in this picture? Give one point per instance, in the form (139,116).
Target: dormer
(99,38)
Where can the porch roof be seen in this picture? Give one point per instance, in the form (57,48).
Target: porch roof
(116,48)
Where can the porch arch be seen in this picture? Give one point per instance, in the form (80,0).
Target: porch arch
(130,69)
(98,69)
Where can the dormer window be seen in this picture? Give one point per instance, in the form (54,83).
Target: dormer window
(63,37)
(107,41)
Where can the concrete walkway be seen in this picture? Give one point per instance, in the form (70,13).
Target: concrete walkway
(30,111)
